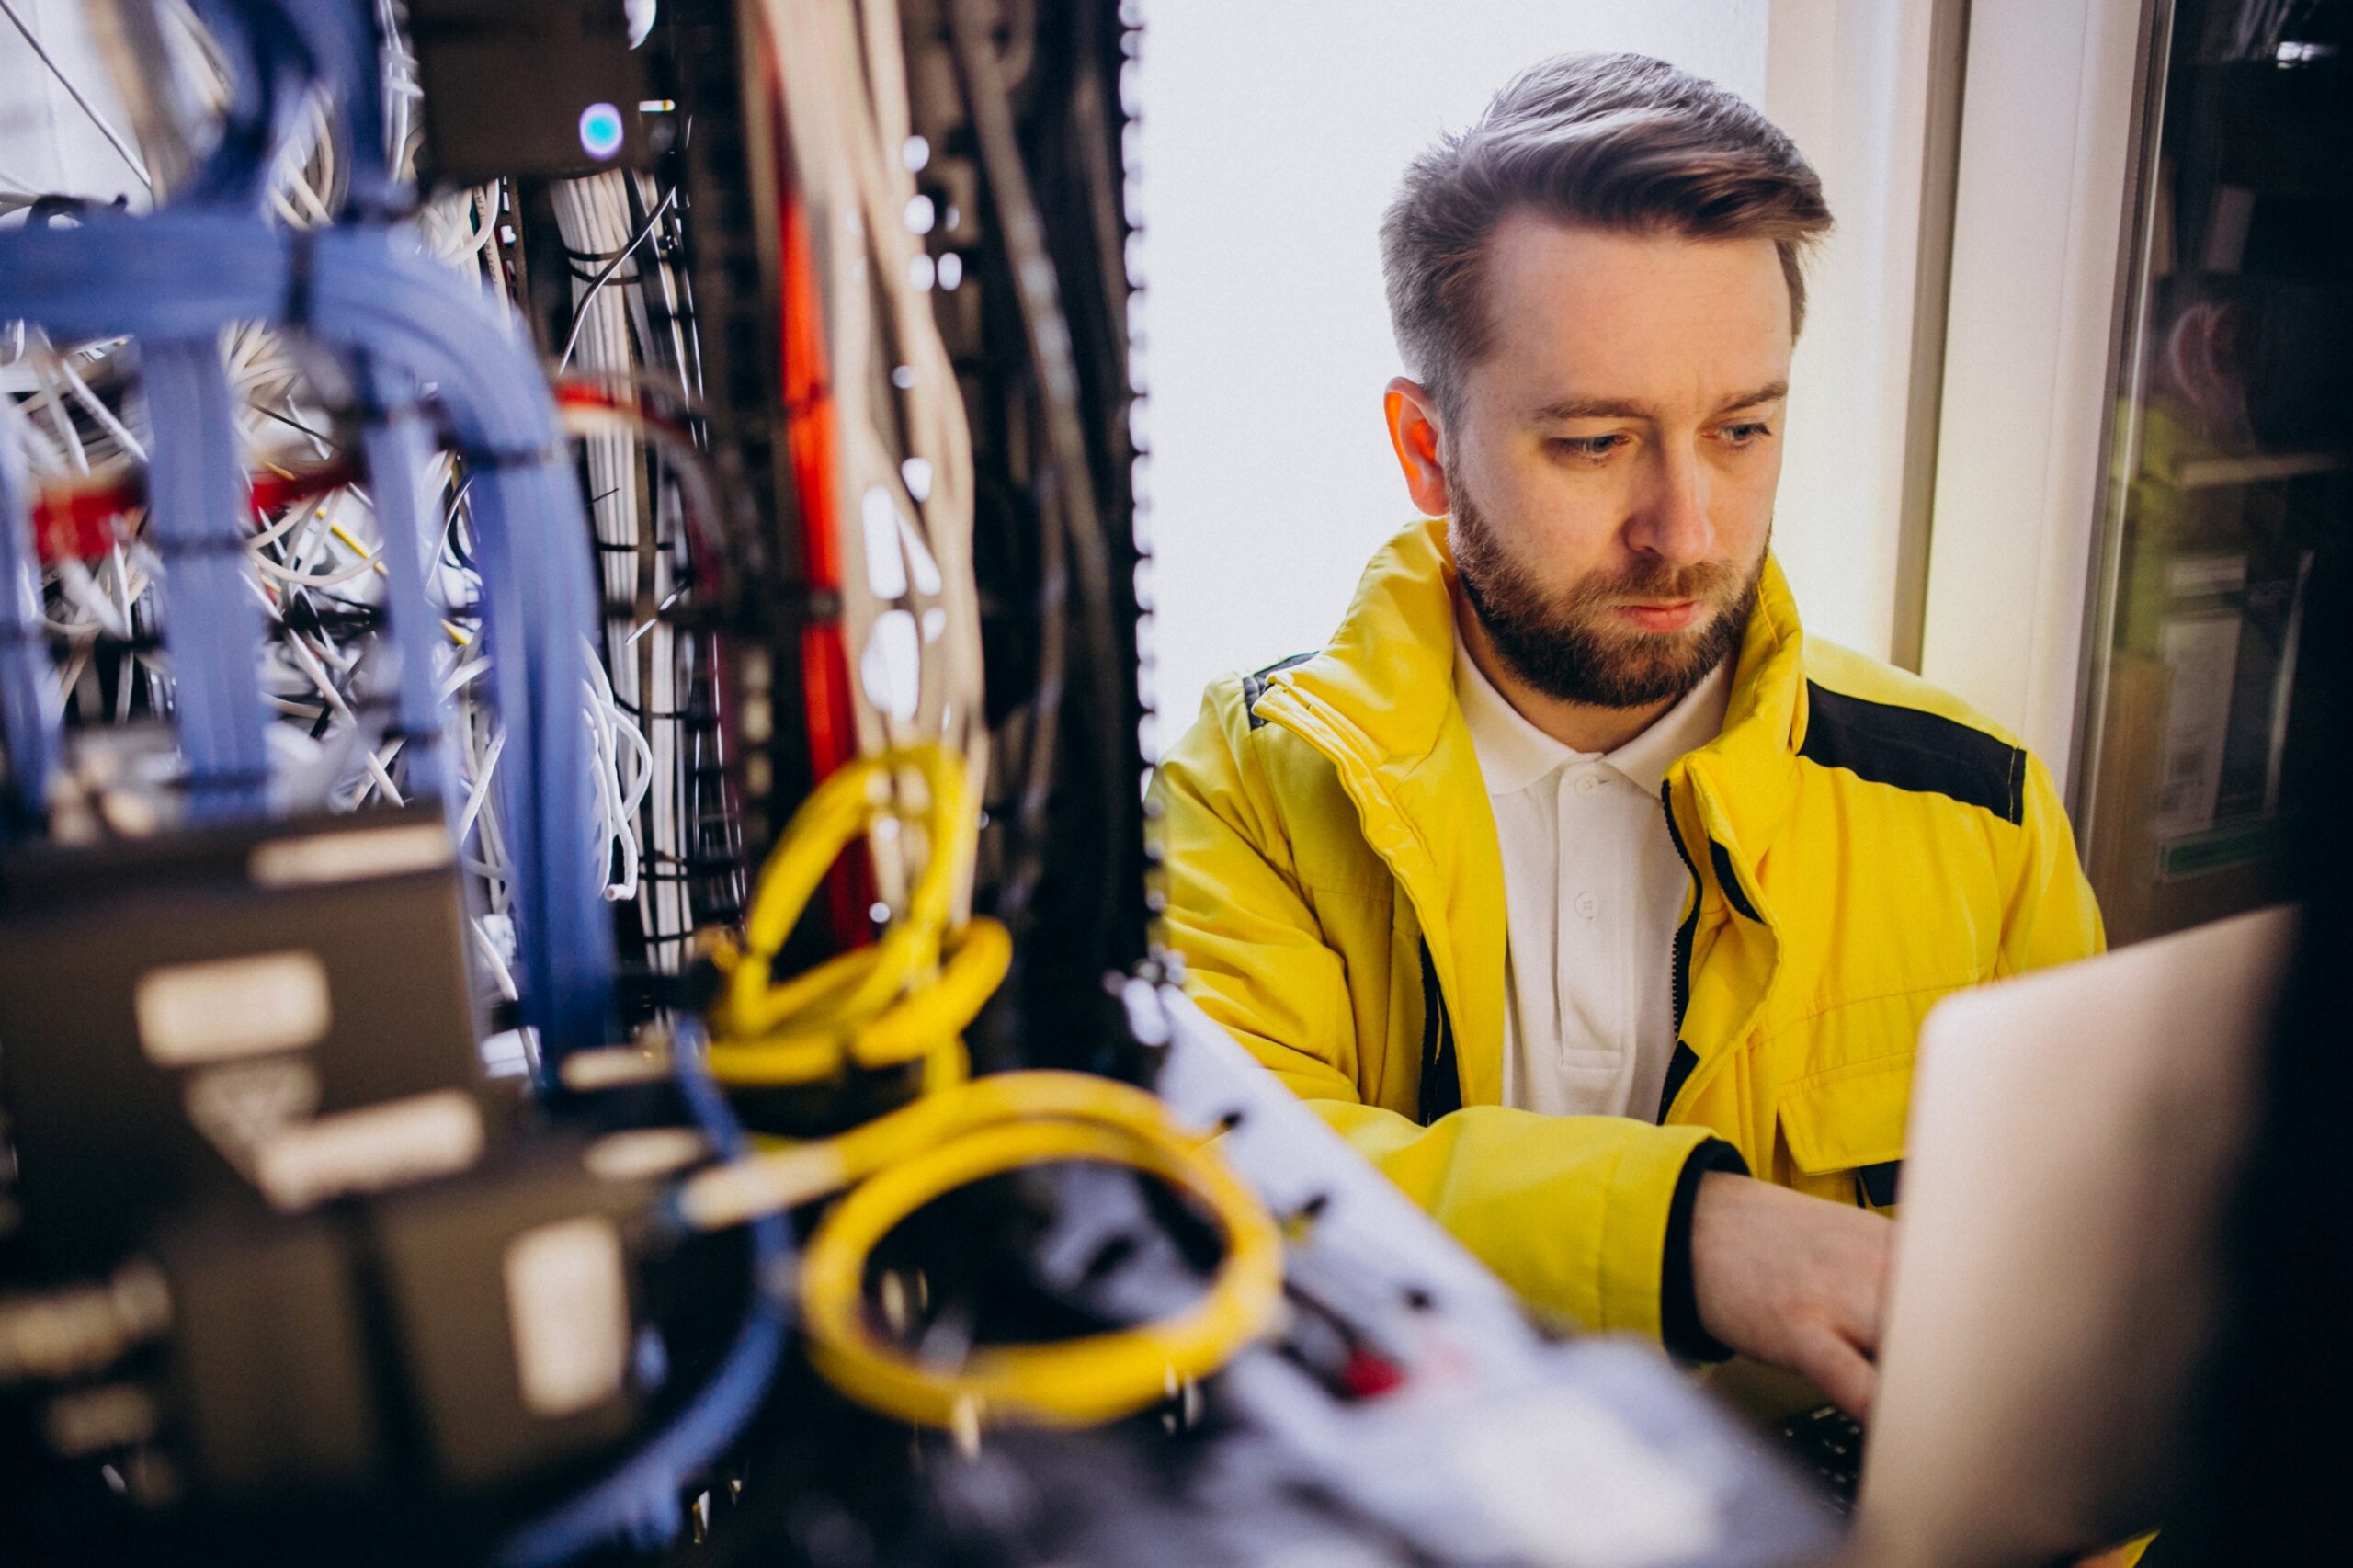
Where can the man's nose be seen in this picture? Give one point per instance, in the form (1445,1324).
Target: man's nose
(1671,519)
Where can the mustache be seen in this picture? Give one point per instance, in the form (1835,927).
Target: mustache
(1658,581)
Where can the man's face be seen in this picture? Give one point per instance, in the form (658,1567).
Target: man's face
(1610,466)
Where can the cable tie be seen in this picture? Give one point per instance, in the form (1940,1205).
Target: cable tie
(301,268)
(373,411)
(174,547)
(485,460)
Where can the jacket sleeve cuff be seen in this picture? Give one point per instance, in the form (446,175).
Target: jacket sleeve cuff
(1678,1296)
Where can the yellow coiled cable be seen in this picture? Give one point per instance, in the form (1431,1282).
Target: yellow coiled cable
(907,1000)
(902,1161)
(904,1000)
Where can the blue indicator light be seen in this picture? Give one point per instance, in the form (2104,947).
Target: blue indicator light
(600,131)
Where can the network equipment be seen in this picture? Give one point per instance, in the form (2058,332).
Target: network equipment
(576,963)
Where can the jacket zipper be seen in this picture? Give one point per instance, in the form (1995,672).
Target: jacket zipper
(1441,1090)
(1442,1087)
(1681,957)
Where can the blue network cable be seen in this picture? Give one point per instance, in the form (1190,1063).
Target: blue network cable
(32,707)
(638,1503)
(398,444)
(182,275)
(196,483)
(269,80)
(277,52)
(196,512)
(536,573)
(206,261)
(173,281)
(344,51)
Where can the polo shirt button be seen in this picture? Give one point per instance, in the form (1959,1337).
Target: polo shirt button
(1588,906)
(1587,783)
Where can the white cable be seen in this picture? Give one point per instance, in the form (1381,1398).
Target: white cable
(616,807)
(463,675)
(91,401)
(60,419)
(843,88)
(480,779)
(500,974)
(83,590)
(43,455)
(299,650)
(612,340)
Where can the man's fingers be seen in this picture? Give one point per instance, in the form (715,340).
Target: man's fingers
(1839,1371)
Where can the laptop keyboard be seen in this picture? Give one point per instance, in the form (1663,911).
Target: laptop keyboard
(1827,1443)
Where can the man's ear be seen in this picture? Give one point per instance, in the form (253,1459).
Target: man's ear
(1417,435)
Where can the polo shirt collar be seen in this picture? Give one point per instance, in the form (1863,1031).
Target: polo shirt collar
(1514,754)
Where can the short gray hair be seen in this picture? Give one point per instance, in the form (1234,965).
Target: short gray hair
(1619,141)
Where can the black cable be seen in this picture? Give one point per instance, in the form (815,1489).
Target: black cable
(452,541)
(1072,501)
(605,276)
(289,420)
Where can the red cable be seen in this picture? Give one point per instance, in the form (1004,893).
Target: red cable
(76,522)
(813,443)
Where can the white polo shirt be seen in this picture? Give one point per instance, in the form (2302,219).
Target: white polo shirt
(1593,889)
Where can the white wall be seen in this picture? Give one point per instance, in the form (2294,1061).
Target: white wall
(2046,165)
(51,148)
(1272,137)
(1849,81)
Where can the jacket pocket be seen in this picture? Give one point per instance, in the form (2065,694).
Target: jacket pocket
(1842,1130)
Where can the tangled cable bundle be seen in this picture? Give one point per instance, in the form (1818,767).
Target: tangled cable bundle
(903,1002)
(897,1163)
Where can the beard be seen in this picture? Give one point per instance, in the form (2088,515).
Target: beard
(1570,646)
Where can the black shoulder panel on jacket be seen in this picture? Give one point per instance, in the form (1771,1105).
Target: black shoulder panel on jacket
(1912,749)
(1254,685)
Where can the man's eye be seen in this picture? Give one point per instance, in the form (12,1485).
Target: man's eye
(1590,447)
(1748,434)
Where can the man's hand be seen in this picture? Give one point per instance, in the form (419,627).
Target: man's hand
(1792,1280)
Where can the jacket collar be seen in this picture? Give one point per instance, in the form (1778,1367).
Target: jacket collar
(1378,702)
(1745,779)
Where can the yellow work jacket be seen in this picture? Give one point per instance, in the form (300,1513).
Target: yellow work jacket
(1861,844)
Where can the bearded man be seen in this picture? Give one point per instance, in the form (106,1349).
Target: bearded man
(1587,896)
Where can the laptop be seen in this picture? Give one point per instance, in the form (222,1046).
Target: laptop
(2057,1269)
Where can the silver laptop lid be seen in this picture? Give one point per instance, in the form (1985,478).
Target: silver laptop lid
(2072,1132)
